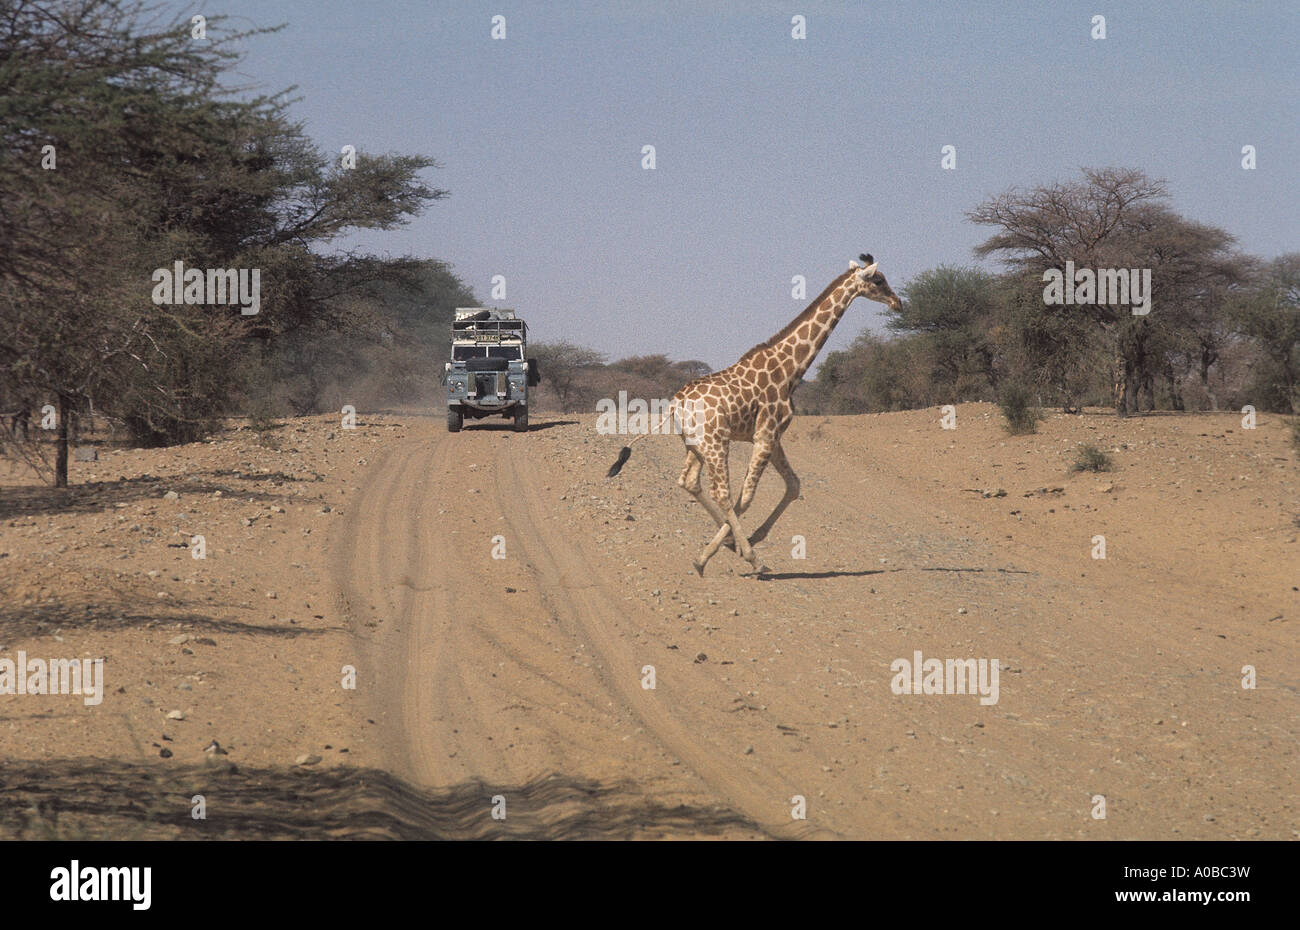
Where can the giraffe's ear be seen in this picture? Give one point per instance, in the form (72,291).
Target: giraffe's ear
(868,271)
(853,264)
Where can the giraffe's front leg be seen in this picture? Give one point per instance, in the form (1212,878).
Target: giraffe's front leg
(782,465)
(766,440)
(763,446)
(721,538)
(718,503)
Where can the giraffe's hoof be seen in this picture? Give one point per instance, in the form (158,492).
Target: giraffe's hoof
(699,567)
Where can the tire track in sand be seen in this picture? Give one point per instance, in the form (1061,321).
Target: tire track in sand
(575,588)
(461,666)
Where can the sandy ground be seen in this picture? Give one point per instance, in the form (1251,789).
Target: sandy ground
(503,604)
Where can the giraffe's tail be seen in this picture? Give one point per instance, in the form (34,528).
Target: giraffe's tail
(625,453)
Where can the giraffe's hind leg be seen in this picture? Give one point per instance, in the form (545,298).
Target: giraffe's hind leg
(764,445)
(732,523)
(690,479)
(690,482)
(718,503)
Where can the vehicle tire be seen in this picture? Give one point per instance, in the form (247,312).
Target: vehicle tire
(454,419)
(521,419)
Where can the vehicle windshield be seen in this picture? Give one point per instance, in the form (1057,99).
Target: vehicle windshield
(461,353)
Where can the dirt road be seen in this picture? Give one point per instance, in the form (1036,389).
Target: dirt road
(513,605)
(524,629)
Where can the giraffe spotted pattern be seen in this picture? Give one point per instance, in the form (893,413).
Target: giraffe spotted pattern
(750,402)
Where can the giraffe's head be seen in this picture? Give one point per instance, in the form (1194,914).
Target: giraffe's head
(872,284)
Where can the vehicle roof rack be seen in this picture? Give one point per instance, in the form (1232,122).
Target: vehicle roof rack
(485,313)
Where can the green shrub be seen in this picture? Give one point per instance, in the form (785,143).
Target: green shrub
(1090,458)
(1017,403)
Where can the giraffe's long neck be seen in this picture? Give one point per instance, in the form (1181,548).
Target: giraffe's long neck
(804,337)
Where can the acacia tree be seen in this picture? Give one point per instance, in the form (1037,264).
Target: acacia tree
(121,153)
(392,350)
(1117,218)
(954,309)
(564,367)
(872,375)
(1194,270)
(1055,355)
(1268,312)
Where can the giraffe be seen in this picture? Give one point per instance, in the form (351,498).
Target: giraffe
(750,402)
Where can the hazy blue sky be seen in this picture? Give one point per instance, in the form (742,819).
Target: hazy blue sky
(775,157)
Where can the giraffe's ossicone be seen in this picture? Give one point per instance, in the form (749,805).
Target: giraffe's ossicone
(750,402)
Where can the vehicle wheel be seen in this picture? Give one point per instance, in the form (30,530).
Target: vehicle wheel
(521,419)
(454,419)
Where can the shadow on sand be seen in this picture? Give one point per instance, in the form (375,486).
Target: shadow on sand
(783,576)
(40,619)
(94,496)
(91,799)
(505,427)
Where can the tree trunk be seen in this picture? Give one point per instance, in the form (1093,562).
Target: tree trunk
(1120,372)
(1175,390)
(1208,358)
(1134,381)
(1130,384)
(990,370)
(1147,392)
(61,457)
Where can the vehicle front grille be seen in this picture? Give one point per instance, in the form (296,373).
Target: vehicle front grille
(485,385)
